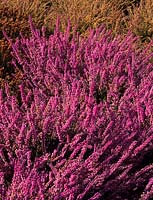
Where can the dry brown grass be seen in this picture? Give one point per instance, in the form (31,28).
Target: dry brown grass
(89,13)
(140,20)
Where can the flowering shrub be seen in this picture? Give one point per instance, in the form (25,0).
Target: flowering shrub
(81,126)
(118,15)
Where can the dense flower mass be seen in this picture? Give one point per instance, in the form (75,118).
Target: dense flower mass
(81,126)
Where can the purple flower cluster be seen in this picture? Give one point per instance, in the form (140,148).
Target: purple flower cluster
(81,127)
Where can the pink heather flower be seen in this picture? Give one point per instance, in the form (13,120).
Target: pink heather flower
(81,124)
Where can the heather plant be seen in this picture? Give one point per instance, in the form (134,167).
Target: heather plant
(117,15)
(14,18)
(81,125)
